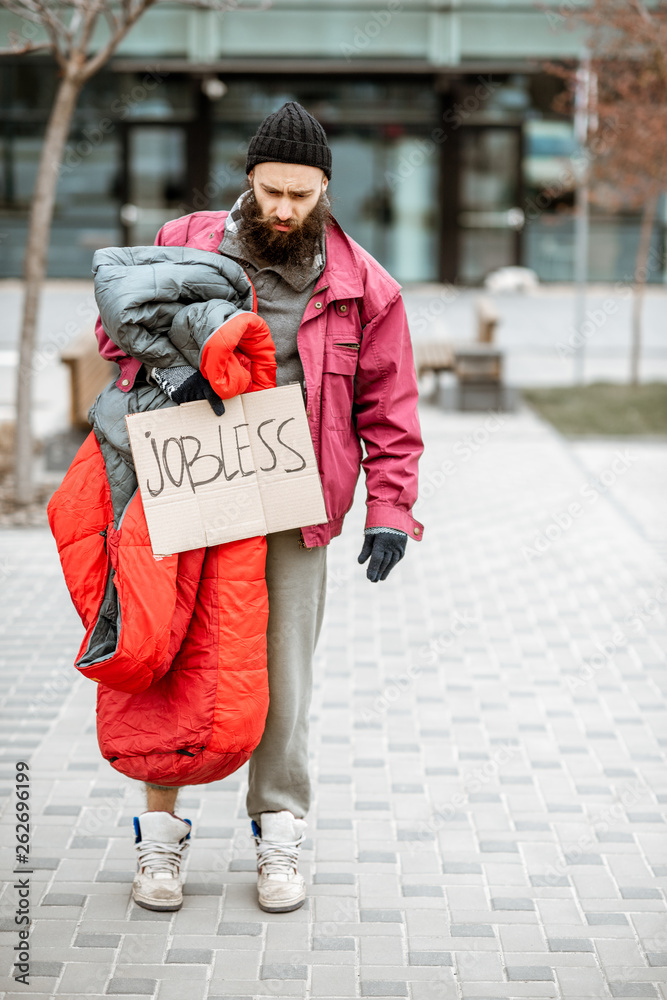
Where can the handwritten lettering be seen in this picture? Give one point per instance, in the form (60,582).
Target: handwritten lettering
(180,461)
(240,448)
(155,493)
(285,445)
(267,445)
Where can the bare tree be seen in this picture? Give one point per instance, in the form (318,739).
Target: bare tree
(628,44)
(67,28)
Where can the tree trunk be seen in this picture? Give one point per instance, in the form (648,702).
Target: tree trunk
(641,273)
(34,267)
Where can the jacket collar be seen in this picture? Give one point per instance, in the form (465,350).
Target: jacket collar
(341,271)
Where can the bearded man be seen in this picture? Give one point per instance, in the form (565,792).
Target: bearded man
(339,327)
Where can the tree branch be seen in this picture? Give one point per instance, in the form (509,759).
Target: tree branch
(111,19)
(28,47)
(56,31)
(25,11)
(101,57)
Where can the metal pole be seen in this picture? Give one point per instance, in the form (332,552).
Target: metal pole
(580,269)
(582,124)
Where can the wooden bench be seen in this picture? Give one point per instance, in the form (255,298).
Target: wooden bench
(479,370)
(478,365)
(433,356)
(89,374)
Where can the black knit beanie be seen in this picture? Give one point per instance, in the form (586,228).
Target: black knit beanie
(290,135)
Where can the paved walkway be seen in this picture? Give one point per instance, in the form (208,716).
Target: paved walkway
(488,754)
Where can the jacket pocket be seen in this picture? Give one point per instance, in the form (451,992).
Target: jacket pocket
(340,366)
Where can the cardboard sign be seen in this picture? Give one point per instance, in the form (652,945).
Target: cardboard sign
(205,480)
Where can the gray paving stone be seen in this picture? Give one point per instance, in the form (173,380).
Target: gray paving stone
(368,806)
(242,865)
(553,881)
(381,916)
(471,930)
(422,890)
(214,832)
(63,899)
(530,973)
(45,970)
(377,857)
(610,919)
(189,956)
(56,810)
(84,940)
(639,892)
(581,858)
(140,987)
(633,990)
(195,887)
(89,843)
(106,875)
(461,868)
(498,847)
(239,928)
(657,958)
(334,824)
(334,878)
(333,944)
(283,971)
(335,779)
(379,988)
(512,903)
(139,915)
(430,958)
(570,944)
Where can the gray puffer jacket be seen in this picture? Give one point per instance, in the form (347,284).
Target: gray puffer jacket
(159,305)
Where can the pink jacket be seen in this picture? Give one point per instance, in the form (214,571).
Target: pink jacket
(355,348)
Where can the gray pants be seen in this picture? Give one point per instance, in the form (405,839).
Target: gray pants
(296,580)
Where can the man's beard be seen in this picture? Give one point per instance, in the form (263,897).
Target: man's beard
(294,248)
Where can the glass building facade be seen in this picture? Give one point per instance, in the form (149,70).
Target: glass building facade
(448,159)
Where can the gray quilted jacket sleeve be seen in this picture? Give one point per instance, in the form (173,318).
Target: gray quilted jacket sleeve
(161,304)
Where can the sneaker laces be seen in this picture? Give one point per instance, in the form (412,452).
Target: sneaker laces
(158,858)
(274,858)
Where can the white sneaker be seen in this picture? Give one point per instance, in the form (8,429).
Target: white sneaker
(278,840)
(161,842)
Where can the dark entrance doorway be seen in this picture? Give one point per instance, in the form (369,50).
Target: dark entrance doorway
(489,217)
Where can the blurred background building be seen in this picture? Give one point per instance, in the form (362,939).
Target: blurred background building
(449,160)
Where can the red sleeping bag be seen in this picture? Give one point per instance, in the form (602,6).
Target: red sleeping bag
(183,694)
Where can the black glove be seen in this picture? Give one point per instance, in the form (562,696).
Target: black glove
(185,384)
(385,546)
